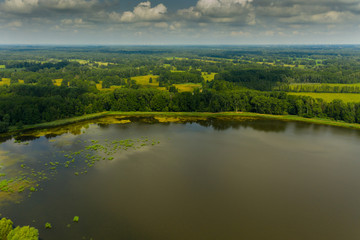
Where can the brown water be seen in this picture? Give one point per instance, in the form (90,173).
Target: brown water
(216,179)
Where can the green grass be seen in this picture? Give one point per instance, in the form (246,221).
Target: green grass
(5,81)
(144,80)
(81,61)
(2,66)
(187,87)
(328,97)
(327,84)
(57,82)
(208,77)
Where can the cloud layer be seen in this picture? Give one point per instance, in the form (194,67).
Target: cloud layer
(236,19)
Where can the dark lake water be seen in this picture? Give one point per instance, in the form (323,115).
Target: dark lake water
(249,179)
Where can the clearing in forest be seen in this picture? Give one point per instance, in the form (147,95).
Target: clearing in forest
(328,97)
(145,80)
(208,77)
(187,87)
(57,82)
(5,81)
(99,85)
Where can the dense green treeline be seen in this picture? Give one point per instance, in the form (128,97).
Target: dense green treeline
(231,79)
(42,104)
(259,79)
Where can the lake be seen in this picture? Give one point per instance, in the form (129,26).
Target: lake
(147,178)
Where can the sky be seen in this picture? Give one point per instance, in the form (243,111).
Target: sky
(180,22)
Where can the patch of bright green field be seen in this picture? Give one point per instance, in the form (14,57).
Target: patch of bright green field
(208,77)
(57,82)
(81,61)
(102,64)
(187,87)
(5,81)
(2,66)
(99,85)
(327,84)
(328,97)
(176,58)
(144,80)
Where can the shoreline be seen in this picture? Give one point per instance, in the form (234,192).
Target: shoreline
(68,121)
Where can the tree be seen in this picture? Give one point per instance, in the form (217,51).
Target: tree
(5,228)
(23,233)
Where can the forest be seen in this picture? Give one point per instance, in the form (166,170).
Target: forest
(42,84)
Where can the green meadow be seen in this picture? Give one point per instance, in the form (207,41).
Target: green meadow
(328,97)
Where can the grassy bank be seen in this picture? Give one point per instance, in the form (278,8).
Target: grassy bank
(186,114)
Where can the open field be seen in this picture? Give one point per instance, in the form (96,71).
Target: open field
(208,77)
(82,62)
(326,84)
(2,66)
(99,85)
(176,58)
(102,64)
(322,88)
(144,80)
(57,82)
(5,81)
(328,97)
(284,65)
(187,87)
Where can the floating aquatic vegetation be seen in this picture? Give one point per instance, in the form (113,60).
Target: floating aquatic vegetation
(26,176)
(76,219)
(48,225)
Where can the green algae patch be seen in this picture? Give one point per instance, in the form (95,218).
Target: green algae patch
(48,225)
(24,177)
(11,189)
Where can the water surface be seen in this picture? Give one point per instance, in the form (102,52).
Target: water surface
(217,179)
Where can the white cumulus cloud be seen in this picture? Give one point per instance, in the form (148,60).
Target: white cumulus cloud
(45,6)
(141,13)
(19,6)
(220,11)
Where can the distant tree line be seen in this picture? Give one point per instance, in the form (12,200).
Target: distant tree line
(36,104)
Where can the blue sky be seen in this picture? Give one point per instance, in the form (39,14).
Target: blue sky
(179,22)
